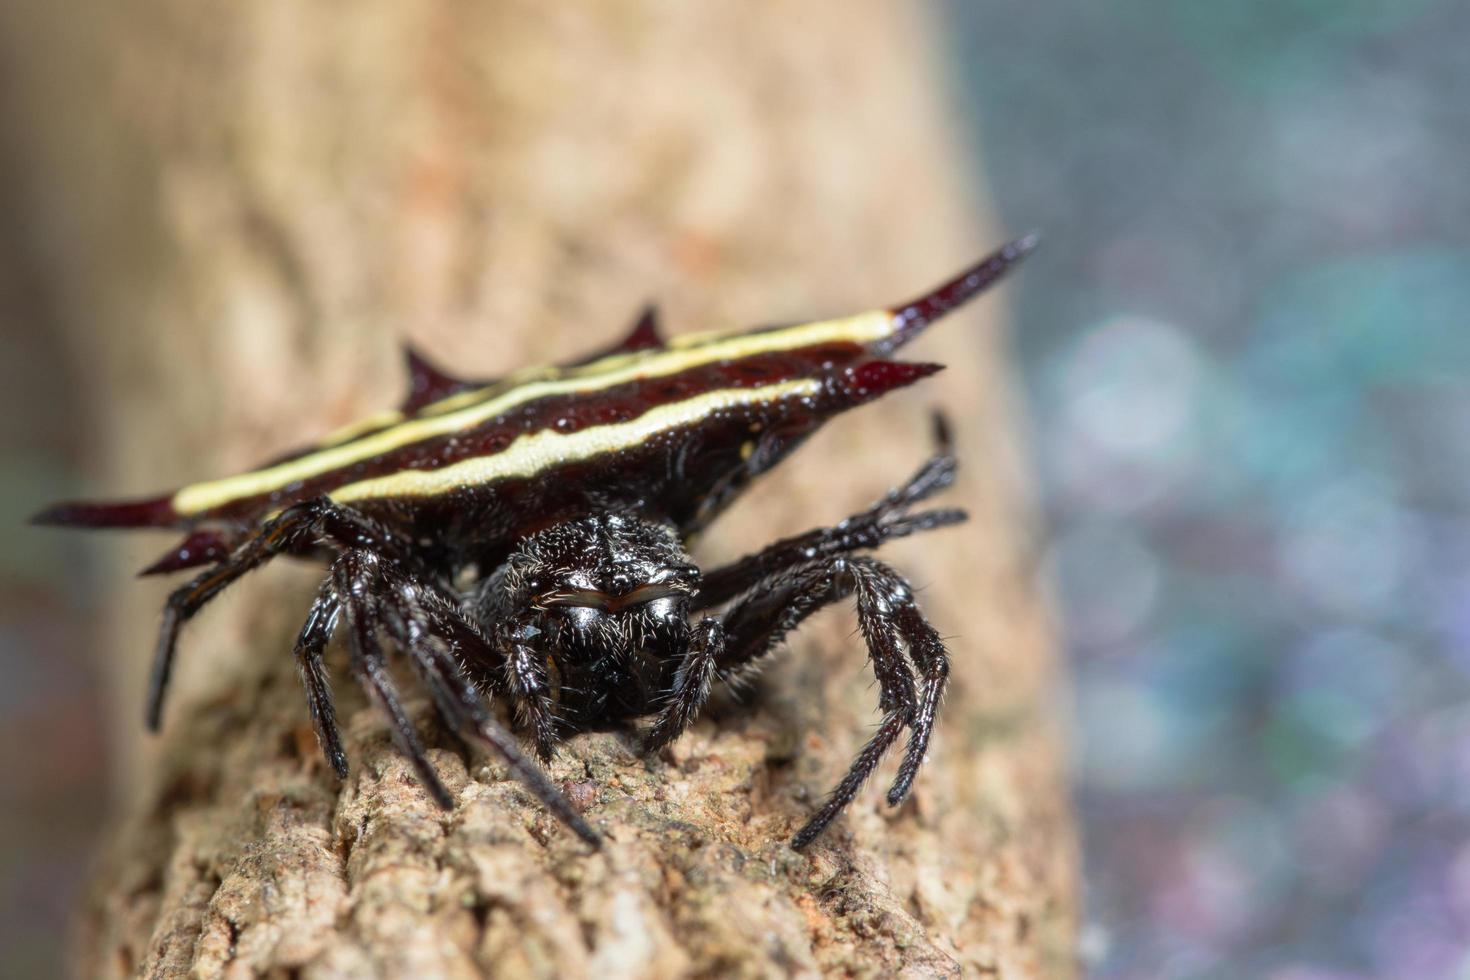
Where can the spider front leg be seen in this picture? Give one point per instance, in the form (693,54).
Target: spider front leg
(317,631)
(353,582)
(892,626)
(427,625)
(311,643)
(525,675)
(885,520)
(691,685)
(296,530)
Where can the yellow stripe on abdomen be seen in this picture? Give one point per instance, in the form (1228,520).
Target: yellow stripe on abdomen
(865,328)
(538,452)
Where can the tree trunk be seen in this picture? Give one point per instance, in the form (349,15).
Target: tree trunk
(246,205)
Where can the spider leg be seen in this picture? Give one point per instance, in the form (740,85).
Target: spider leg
(429,628)
(847,790)
(315,632)
(891,625)
(691,685)
(526,677)
(927,650)
(887,519)
(297,529)
(354,585)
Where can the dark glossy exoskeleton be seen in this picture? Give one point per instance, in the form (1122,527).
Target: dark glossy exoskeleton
(566,496)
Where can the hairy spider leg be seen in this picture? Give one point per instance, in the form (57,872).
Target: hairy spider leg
(891,625)
(926,649)
(320,623)
(526,677)
(408,632)
(887,519)
(296,530)
(426,625)
(787,581)
(355,587)
(691,686)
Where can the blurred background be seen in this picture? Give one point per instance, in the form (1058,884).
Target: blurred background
(1244,355)
(54,772)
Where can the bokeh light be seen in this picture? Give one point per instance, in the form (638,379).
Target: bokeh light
(1246,350)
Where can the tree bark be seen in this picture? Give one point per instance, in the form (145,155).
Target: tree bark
(246,205)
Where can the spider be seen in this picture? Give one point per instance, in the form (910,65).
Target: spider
(527,538)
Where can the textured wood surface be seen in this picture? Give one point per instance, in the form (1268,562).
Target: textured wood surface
(246,204)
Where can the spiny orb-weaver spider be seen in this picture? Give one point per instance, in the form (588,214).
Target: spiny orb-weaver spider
(566,496)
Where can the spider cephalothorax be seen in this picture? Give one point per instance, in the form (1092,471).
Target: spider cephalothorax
(526,538)
(608,596)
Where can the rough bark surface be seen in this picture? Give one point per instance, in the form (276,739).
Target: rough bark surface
(244,205)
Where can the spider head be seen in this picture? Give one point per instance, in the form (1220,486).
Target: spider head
(608,586)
